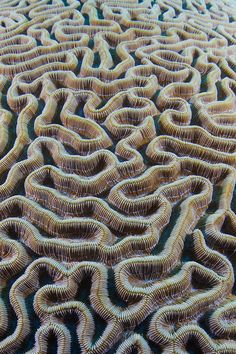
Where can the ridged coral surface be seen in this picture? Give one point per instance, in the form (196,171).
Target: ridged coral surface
(117,176)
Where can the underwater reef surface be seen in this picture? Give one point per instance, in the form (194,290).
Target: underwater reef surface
(117,171)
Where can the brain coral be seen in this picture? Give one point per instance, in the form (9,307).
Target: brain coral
(117,170)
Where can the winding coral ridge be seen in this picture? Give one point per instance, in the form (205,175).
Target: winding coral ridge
(117,171)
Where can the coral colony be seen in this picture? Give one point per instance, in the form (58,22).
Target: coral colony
(117,169)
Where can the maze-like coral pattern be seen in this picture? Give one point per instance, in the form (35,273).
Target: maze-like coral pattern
(117,169)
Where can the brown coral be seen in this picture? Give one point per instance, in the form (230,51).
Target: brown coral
(117,169)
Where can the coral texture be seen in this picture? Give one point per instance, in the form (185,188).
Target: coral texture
(117,170)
